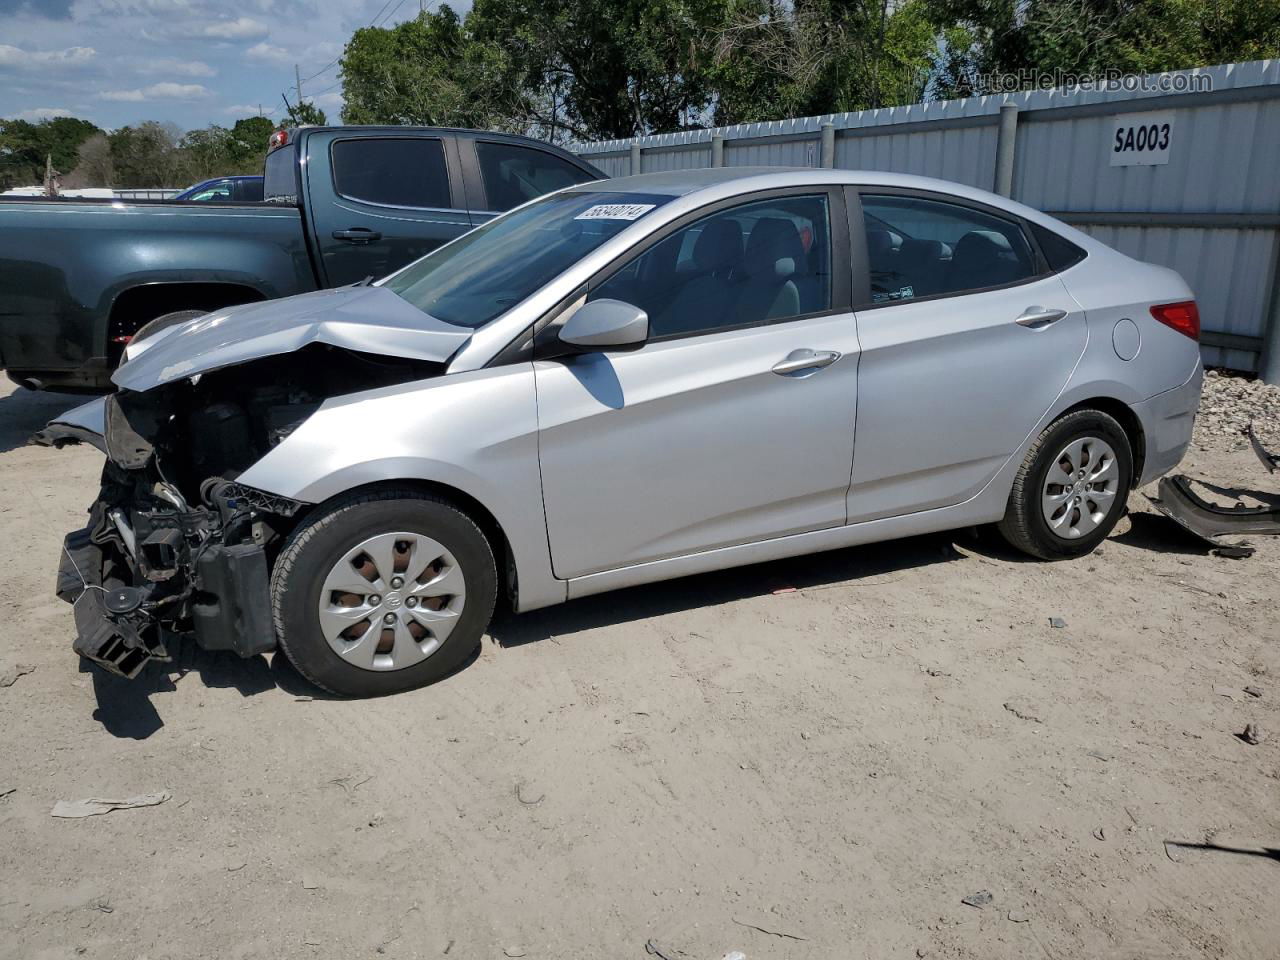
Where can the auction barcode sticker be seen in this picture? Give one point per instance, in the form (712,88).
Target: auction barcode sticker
(615,211)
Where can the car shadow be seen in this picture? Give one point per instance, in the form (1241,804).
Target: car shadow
(126,708)
(832,568)
(24,411)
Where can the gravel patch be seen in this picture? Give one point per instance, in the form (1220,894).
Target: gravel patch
(1229,402)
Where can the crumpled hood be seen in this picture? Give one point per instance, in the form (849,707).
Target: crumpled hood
(367,319)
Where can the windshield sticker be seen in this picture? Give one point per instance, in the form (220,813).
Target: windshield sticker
(616,211)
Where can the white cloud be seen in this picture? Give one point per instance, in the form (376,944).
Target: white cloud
(157,91)
(178,68)
(17,57)
(242,28)
(267,53)
(44,113)
(328,101)
(246,109)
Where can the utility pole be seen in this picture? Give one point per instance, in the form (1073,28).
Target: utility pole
(297,76)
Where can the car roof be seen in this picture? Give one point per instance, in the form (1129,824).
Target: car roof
(709,184)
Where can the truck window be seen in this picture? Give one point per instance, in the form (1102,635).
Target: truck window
(514,174)
(280,184)
(398,173)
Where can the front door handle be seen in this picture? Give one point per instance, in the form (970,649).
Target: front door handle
(357,235)
(798,360)
(1037,317)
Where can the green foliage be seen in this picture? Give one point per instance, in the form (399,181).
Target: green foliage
(426,71)
(1091,37)
(24,147)
(304,113)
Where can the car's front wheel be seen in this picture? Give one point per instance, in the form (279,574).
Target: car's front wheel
(1071,488)
(382,592)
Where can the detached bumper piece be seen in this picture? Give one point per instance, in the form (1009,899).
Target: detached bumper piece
(1211,522)
(148,571)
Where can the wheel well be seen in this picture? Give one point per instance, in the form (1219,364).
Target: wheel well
(473,508)
(138,305)
(1125,416)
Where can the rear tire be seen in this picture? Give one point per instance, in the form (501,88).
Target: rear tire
(1056,513)
(358,630)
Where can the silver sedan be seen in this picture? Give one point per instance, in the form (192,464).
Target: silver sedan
(619,383)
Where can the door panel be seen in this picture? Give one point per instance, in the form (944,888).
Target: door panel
(950,387)
(695,443)
(379,201)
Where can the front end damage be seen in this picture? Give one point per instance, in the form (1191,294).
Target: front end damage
(175,547)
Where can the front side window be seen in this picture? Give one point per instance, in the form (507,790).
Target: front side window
(759,262)
(394,172)
(486,272)
(922,248)
(513,175)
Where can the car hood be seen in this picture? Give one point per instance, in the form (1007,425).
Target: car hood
(365,319)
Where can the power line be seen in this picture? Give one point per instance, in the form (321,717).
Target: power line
(398,5)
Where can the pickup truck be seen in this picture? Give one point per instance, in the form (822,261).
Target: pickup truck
(78,278)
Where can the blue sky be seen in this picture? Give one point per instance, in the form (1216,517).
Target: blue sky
(192,62)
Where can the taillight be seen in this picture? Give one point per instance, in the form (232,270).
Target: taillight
(278,139)
(1183,317)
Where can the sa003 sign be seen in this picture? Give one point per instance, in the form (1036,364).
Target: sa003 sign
(1142,139)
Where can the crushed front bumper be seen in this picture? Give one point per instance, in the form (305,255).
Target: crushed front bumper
(146,572)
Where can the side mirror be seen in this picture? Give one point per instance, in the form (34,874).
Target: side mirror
(606,325)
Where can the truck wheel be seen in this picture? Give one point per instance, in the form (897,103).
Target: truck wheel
(1071,488)
(162,322)
(382,592)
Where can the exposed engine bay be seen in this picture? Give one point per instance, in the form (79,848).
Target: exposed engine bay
(174,546)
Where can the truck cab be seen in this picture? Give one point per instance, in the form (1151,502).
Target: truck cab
(78,278)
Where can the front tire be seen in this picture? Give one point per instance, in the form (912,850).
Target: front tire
(1071,489)
(383,592)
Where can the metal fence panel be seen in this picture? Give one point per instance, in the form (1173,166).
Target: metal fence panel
(1211,212)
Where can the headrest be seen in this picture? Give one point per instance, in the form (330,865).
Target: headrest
(719,245)
(879,243)
(924,250)
(980,246)
(773,247)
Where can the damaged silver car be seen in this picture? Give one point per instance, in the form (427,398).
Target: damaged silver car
(616,384)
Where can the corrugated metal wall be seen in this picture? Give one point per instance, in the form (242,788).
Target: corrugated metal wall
(1212,212)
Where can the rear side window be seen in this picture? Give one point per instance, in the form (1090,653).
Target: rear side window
(280,184)
(394,172)
(923,248)
(249,191)
(513,175)
(1059,252)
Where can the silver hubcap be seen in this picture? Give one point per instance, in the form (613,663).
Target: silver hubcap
(390,601)
(1080,488)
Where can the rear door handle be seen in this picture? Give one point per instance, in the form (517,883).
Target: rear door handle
(805,359)
(1036,317)
(357,235)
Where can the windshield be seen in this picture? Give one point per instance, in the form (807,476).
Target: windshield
(489,270)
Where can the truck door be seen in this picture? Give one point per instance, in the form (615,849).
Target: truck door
(381,199)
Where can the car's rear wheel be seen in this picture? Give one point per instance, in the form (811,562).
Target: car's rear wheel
(1071,488)
(383,592)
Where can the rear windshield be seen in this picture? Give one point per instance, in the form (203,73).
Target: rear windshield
(488,271)
(281,182)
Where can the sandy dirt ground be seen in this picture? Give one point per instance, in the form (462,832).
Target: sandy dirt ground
(720,763)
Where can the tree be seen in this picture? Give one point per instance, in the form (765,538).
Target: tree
(823,56)
(146,155)
(994,39)
(24,147)
(428,71)
(304,113)
(93,167)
